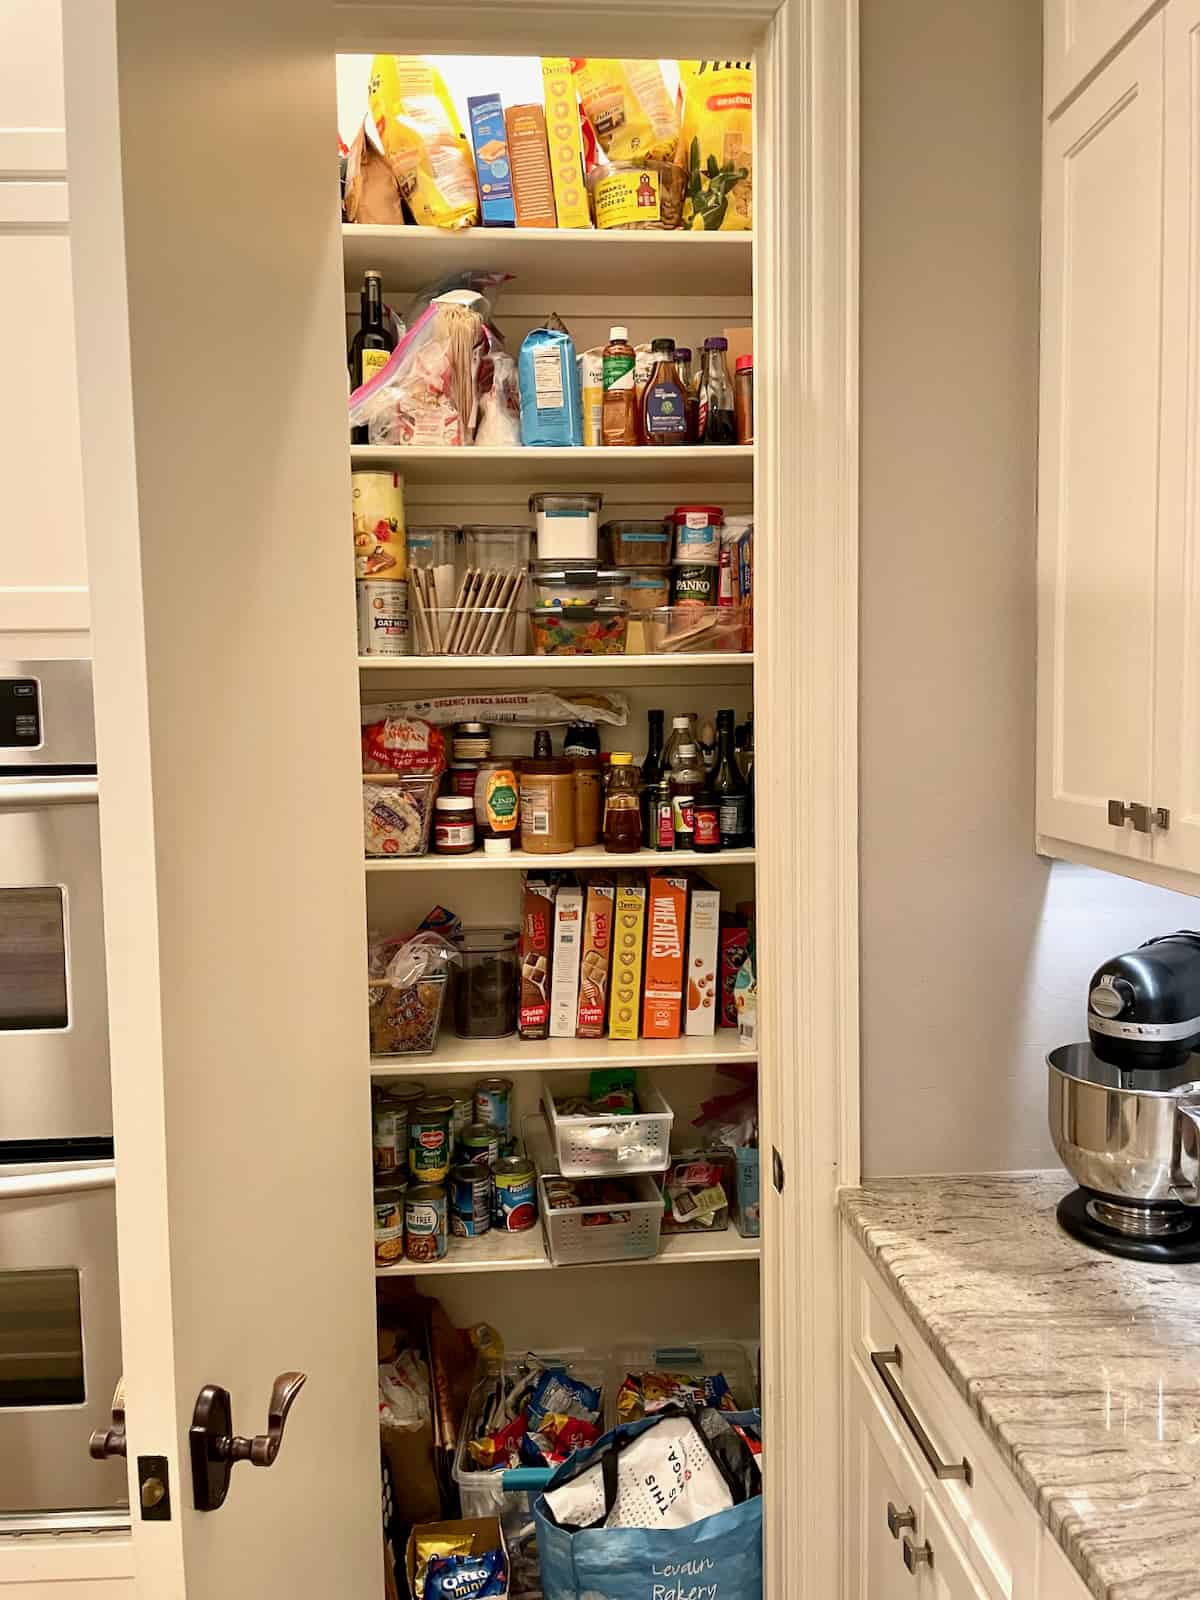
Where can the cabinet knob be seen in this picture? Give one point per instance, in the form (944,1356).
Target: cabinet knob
(897,1520)
(917,1555)
(1144,818)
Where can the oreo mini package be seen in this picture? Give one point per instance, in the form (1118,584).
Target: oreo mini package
(475,1577)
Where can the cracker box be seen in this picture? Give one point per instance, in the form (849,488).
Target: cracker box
(536,953)
(566,143)
(568,943)
(596,958)
(704,922)
(666,933)
(734,946)
(629,924)
(525,127)
(492,168)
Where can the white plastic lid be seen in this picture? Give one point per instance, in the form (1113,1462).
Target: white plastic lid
(619,333)
(679,722)
(497,847)
(455,802)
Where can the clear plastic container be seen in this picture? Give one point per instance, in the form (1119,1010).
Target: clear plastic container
(633,543)
(568,526)
(468,630)
(576,583)
(397,814)
(592,1146)
(608,1231)
(693,1361)
(690,630)
(496,545)
(434,545)
(405,1020)
(617,200)
(486,983)
(579,630)
(648,588)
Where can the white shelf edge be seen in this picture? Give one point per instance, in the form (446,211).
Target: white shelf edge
(581,860)
(732,659)
(521,1057)
(674,1250)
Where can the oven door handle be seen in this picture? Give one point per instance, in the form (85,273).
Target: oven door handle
(65,1182)
(32,796)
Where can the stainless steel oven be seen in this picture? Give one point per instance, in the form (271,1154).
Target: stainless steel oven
(60,1340)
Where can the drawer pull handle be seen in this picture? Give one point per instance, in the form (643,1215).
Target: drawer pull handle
(917,1555)
(900,1519)
(883,1361)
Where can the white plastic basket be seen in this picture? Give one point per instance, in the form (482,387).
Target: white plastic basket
(695,1360)
(572,1240)
(612,1146)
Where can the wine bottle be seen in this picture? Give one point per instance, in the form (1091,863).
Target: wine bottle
(372,344)
(652,771)
(730,787)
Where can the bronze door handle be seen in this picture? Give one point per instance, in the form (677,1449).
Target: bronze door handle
(107,1442)
(214,1446)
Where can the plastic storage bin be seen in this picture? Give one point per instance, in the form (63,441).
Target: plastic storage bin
(693,1361)
(405,1020)
(601,630)
(632,543)
(568,526)
(689,630)
(592,1146)
(576,1235)
(468,630)
(495,545)
(434,545)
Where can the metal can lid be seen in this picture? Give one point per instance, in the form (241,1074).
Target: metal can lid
(480,1133)
(425,1191)
(435,1105)
(470,1172)
(469,729)
(409,1093)
(496,1083)
(512,1167)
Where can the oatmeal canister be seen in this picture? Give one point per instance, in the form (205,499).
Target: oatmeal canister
(389,1226)
(425,1222)
(429,1138)
(493,1104)
(382,617)
(514,1194)
(470,1200)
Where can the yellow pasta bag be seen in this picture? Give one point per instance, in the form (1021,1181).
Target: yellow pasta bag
(423,140)
(715,144)
(628,105)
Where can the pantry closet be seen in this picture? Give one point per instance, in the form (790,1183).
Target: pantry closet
(213,285)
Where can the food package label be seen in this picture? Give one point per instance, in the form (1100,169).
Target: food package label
(566,145)
(591,388)
(704,921)
(536,954)
(596,957)
(493,171)
(734,947)
(665,934)
(421,137)
(628,927)
(715,144)
(377,502)
(628,105)
(568,941)
(623,198)
(529,157)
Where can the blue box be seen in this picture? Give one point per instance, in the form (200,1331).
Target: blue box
(493,172)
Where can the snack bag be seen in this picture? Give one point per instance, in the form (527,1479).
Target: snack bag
(421,137)
(627,104)
(715,144)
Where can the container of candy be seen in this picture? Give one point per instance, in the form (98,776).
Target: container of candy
(600,630)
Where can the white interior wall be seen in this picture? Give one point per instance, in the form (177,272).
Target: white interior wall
(975,952)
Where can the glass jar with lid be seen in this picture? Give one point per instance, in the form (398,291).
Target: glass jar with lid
(487,983)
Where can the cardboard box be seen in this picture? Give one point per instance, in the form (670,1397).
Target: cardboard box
(629,922)
(704,925)
(591,391)
(741,343)
(666,933)
(565,142)
(537,955)
(485,1535)
(596,959)
(568,942)
(533,188)
(493,171)
(734,946)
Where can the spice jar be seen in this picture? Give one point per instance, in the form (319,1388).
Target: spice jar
(547,806)
(454,825)
(486,983)
(470,741)
(589,800)
(743,399)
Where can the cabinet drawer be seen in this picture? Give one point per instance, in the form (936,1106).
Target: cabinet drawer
(967,1480)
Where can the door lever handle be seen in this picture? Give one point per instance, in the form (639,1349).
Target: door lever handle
(214,1447)
(107,1442)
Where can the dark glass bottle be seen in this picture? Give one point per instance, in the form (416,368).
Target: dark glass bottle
(664,404)
(582,739)
(652,771)
(543,749)
(372,344)
(729,787)
(716,423)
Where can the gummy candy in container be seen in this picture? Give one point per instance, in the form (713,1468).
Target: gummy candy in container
(427,393)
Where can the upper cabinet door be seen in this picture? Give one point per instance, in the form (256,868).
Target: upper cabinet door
(1078,36)
(1177,723)
(1098,474)
(210,315)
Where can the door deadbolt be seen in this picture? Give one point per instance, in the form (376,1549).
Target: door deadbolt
(214,1446)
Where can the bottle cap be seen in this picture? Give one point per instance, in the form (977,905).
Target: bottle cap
(663,345)
(682,352)
(679,722)
(619,333)
(744,364)
(716,341)
(497,847)
(621,758)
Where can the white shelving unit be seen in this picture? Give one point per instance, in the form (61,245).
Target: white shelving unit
(526,1252)
(513,1057)
(583,466)
(575,860)
(723,664)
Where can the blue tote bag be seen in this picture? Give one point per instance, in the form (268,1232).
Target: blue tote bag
(716,1558)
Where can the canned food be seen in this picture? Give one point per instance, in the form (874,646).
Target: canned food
(695,583)
(493,1104)
(461,1117)
(390,1138)
(380,541)
(514,1194)
(429,1138)
(425,1222)
(407,1093)
(389,1226)
(470,1200)
(382,617)
(480,1142)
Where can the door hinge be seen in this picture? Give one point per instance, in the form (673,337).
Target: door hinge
(154,1488)
(777,1170)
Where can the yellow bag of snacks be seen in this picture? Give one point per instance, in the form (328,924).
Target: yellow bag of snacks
(422,138)
(627,104)
(715,144)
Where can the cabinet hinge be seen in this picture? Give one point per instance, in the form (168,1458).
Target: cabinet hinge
(777,1170)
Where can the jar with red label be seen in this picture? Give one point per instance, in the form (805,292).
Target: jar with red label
(454,825)
(706,822)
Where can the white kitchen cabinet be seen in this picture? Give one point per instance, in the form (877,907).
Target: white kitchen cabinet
(1079,34)
(946,1574)
(883,1498)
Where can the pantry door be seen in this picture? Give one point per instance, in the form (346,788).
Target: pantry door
(206,244)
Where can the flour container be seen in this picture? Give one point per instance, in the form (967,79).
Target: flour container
(568,526)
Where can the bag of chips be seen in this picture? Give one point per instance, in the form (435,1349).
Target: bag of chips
(627,104)
(715,144)
(423,139)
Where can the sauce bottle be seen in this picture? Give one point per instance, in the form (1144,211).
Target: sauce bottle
(622,811)
(687,781)
(497,806)
(664,404)
(743,398)
(687,377)
(716,423)
(619,409)
(663,818)
(652,771)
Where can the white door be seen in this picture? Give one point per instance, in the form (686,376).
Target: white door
(1098,488)
(882,1502)
(1177,723)
(1078,36)
(212,388)
(945,1572)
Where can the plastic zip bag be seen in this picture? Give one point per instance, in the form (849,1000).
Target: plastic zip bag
(423,140)
(426,394)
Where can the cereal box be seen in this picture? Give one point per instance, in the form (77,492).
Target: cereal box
(533,188)
(537,951)
(733,949)
(492,170)
(666,925)
(629,922)
(596,958)
(566,143)
(568,942)
(704,920)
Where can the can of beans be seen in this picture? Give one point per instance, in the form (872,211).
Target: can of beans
(380,539)
(514,1194)
(493,1104)
(425,1222)
(470,1200)
(429,1138)
(382,617)
(389,1226)
(389,1116)
(461,1116)
(694,583)
(480,1142)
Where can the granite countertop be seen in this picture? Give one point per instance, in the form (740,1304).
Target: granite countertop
(1084,1370)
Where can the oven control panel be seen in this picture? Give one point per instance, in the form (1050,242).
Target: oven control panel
(20,714)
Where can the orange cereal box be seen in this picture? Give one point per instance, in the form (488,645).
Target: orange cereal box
(666,936)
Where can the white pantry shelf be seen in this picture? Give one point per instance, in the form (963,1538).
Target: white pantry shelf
(513,1056)
(577,467)
(581,860)
(712,664)
(553,260)
(526,1252)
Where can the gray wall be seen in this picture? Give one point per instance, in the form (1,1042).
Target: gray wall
(975,952)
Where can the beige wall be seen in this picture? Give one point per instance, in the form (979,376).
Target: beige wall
(975,952)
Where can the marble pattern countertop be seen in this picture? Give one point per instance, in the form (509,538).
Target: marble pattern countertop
(1084,1370)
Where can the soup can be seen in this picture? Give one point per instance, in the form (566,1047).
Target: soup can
(425,1222)
(390,1136)
(389,1226)
(461,1117)
(514,1194)
(470,1200)
(429,1138)
(480,1142)
(382,618)
(493,1104)
(380,538)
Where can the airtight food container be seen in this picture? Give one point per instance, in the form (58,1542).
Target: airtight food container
(496,545)
(577,583)
(568,526)
(632,543)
